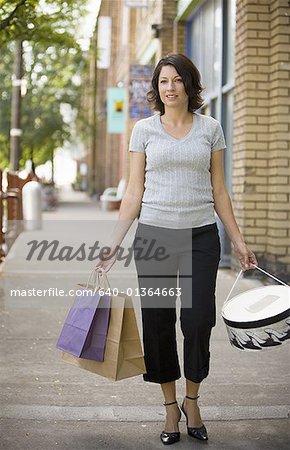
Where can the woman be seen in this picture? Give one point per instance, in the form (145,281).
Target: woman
(176,183)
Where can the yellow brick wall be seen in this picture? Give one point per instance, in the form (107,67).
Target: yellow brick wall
(261,167)
(168,33)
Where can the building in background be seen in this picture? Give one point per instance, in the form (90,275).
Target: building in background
(131,37)
(242,51)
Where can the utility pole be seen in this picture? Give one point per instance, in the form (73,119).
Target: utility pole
(93,115)
(15,130)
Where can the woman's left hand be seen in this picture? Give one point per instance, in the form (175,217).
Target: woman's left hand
(246,257)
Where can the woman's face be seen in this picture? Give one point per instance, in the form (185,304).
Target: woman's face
(171,88)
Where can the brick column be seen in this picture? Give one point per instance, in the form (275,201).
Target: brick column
(261,122)
(169,11)
(278,241)
(178,37)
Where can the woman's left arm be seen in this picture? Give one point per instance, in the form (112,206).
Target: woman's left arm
(224,209)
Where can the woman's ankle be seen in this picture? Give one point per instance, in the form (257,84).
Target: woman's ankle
(173,416)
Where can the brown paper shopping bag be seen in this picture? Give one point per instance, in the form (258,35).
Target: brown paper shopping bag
(123,352)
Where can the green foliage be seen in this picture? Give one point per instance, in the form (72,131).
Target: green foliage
(52,82)
(53,65)
(40,20)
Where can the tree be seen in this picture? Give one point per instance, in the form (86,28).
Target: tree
(11,15)
(44,127)
(40,20)
(53,65)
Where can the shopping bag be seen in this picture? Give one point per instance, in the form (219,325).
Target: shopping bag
(123,352)
(85,329)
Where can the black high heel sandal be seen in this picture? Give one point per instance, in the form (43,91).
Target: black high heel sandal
(172,437)
(198,433)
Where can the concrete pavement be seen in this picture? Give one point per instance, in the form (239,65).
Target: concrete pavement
(47,403)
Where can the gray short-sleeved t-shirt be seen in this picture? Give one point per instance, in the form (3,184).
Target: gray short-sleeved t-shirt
(178,190)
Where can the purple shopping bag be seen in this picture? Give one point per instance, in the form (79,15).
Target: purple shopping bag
(85,329)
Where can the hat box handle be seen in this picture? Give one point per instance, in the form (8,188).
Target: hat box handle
(239,274)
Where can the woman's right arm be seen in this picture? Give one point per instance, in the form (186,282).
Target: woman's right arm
(129,209)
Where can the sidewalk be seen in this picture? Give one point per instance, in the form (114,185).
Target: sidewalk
(49,404)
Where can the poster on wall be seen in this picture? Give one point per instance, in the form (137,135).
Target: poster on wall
(136,3)
(116,110)
(139,85)
(104,42)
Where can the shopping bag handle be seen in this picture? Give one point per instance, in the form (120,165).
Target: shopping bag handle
(239,274)
(99,279)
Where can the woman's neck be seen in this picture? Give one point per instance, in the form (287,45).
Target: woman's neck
(176,117)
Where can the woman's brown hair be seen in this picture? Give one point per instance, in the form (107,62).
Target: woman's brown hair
(190,77)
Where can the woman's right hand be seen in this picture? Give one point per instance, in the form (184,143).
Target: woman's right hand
(106,261)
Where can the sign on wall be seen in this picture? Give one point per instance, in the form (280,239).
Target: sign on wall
(136,3)
(140,84)
(116,110)
(104,42)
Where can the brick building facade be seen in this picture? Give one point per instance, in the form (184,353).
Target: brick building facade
(249,95)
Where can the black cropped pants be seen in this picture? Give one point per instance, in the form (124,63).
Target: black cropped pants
(190,256)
